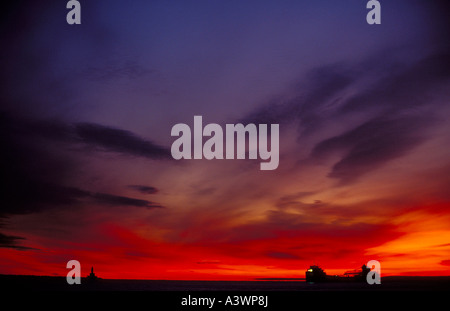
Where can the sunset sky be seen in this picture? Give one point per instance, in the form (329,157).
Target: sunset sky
(87,110)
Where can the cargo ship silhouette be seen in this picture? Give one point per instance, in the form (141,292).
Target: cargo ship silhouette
(315,274)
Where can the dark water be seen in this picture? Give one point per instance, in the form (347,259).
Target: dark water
(41,283)
(394,293)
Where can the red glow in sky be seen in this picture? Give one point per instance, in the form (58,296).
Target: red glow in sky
(87,112)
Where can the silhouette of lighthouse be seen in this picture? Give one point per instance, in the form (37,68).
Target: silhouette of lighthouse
(92,276)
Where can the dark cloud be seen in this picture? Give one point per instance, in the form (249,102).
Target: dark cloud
(317,93)
(325,86)
(144,189)
(400,125)
(36,195)
(385,104)
(11,241)
(95,136)
(54,195)
(117,140)
(405,86)
(372,144)
(281,255)
(115,200)
(37,172)
(384,85)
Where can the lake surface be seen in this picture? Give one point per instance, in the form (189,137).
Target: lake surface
(42,283)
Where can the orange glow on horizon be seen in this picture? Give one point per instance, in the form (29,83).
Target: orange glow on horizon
(415,250)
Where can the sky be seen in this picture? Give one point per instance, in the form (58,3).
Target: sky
(87,111)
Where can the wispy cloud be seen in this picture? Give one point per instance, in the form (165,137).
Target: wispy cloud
(144,189)
(118,140)
(39,195)
(39,176)
(372,144)
(380,110)
(116,200)
(11,241)
(95,136)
